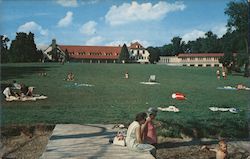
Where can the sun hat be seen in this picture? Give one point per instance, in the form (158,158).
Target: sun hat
(152,111)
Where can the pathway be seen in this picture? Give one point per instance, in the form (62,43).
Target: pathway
(87,142)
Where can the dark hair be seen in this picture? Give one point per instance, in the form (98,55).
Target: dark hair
(141,116)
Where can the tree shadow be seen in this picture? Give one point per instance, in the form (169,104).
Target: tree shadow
(14,72)
(195,142)
(102,132)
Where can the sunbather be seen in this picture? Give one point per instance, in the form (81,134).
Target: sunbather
(9,93)
(16,85)
(241,86)
(126,75)
(70,77)
(26,91)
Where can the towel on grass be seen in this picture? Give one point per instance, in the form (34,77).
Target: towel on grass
(79,85)
(149,83)
(232,110)
(169,109)
(26,98)
(227,88)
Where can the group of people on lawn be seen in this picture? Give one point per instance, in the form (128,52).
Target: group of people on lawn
(18,90)
(142,137)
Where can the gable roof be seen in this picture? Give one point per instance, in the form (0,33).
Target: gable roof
(136,45)
(92,52)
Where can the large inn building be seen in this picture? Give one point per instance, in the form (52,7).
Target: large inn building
(98,54)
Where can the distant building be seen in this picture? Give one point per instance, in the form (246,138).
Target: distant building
(193,59)
(92,54)
(88,54)
(96,54)
(138,53)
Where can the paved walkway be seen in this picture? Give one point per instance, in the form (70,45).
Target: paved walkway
(87,142)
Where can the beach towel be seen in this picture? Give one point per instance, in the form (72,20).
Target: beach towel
(232,110)
(169,109)
(149,83)
(227,88)
(232,88)
(26,98)
(79,85)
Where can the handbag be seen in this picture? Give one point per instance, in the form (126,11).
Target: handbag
(120,139)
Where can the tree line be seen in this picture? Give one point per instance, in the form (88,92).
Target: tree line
(234,43)
(22,49)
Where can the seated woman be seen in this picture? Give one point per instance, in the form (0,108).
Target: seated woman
(26,91)
(149,132)
(134,139)
(70,77)
(9,93)
(16,85)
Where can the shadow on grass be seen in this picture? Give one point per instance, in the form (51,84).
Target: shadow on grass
(14,72)
(195,142)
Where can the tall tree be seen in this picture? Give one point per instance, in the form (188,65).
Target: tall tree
(154,54)
(195,46)
(210,44)
(177,45)
(238,22)
(166,50)
(23,48)
(4,48)
(124,55)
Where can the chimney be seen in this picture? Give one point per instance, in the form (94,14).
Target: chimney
(53,43)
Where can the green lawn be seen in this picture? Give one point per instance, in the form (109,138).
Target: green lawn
(114,99)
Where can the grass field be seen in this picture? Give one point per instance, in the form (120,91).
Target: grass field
(114,99)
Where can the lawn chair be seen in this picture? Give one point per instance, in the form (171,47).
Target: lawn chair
(152,78)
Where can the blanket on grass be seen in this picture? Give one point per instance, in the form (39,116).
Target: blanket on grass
(169,109)
(232,110)
(26,98)
(231,88)
(79,85)
(149,83)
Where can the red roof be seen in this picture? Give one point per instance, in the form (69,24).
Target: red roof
(201,55)
(136,45)
(92,52)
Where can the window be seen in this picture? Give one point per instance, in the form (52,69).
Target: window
(208,58)
(192,58)
(183,58)
(200,58)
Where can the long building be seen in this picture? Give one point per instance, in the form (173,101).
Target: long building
(97,54)
(193,59)
(92,54)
